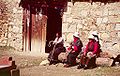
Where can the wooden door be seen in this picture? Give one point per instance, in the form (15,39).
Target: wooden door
(38,32)
(34,31)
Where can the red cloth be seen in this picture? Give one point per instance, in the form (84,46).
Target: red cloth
(75,47)
(95,47)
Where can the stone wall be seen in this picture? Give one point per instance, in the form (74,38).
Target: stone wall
(84,18)
(11,25)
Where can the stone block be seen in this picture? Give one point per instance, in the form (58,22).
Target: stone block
(108,28)
(93,27)
(15,29)
(113,33)
(84,13)
(117,27)
(64,27)
(70,37)
(118,34)
(116,47)
(69,19)
(102,27)
(105,36)
(44,62)
(105,12)
(84,35)
(97,12)
(79,26)
(62,57)
(104,61)
(72,27)
(111,12)
(70,4)
(99,20)
(105,20)
(64,18)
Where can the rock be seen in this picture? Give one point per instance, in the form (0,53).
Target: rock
(119,34)
(117,27)
(105,20)
(44,62)
(62,57)
(99,20)
(104,61)
(69,37)
(105,36)
(106,54)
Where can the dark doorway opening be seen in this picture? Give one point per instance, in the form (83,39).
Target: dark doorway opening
(54,25)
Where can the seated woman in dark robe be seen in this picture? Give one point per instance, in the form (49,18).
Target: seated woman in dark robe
(58,47)
(74,50)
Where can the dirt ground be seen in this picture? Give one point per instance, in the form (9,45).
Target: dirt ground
(29,66)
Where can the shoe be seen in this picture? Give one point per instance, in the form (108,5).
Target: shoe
(80,66)
(86,67)
(50,63)
(66,65)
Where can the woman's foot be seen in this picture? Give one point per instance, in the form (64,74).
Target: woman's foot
(80,66)
(66,65)
(86,67)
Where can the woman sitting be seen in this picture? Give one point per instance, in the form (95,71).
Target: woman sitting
(58,47)
(75,49)
(89,54)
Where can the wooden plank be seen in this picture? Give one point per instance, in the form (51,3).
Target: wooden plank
(28,38)
(33,33)
(15,72)
(44,25)
(38,32)
(24,29)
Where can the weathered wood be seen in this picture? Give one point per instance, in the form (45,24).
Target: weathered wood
(44,27)
(6,65)
(26,30)
(28,27)
(15,72)
(38,34)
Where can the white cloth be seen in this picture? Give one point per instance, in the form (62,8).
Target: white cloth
(60,40)
(96,38)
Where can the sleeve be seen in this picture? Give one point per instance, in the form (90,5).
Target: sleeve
(96,46)
(55,41)
(79,43)
(86,49)
(75,47)
(61,40)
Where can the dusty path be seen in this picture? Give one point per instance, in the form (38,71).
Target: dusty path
(60,71)
(29,66)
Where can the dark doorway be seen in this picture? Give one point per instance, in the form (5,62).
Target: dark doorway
(54,25)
